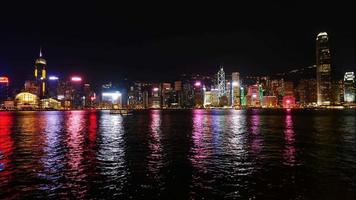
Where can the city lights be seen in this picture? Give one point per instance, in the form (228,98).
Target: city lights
(53,78)
(76,79)
(235,84)
(114,95)
(4,79)
(197,84)
(155,89)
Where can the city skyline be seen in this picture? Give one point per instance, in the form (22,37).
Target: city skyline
(144,44)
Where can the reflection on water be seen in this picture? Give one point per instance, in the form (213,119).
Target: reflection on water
(6,150)
(254,130)
(201,136)
(110,153)
(154,144)
(196,154)
(289,150)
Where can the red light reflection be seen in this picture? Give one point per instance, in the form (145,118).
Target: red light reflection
(289,137)
(6,145)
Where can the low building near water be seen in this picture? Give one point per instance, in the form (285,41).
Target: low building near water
(26,100)
(50,104)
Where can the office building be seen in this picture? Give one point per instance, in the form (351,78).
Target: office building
(323,69)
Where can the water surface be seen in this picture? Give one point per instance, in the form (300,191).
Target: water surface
(190,154)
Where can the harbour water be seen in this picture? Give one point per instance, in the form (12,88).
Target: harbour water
(183,154)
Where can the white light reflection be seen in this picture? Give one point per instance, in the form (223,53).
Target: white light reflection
(155,157)
(111,150)
(52,159)
(237,143)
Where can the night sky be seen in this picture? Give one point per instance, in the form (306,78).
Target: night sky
(159,42)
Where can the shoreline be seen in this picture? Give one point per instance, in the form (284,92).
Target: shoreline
(182,109)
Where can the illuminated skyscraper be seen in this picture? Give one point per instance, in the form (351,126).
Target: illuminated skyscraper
(235,77)
(40,66)
(349,87)
(221,82)
(323,69)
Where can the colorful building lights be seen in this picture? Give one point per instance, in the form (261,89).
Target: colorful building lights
(4,79)
(53,78)
(76,79)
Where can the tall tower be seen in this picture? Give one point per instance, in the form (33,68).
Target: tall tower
(221,82)
(323,69)
(235,79)
(40,64)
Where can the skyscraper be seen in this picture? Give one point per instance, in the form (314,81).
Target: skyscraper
(40,78)
(323,69)
(349,87)
(235,77)
(221,82)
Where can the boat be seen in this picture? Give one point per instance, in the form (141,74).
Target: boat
(121,111)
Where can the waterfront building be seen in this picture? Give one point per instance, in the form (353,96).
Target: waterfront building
(337,92)
(288,88)
(235,89)
(306,92)
(77,92)
(26,100)
(214,97)
(52,86)
(187,95)
(207,99)
(89,96)
(50,103)
(178,94)
(155,98)
(269,102)
(288,102)
(111,99)
(349,87)
(277,88)
(323,69)
(4,89)
(252,97)
(228,93)
(198,94)
(166,94)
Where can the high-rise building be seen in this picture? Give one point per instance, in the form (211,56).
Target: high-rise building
(306,90)
(155,98)
(166,95)
(252,98)
(221,85)
(4,88)
(40,74)
(52,86)
(349,87)
(235,87)
(288,88)
(323,69)
(198,94)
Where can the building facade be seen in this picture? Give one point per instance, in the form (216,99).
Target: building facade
(323,69)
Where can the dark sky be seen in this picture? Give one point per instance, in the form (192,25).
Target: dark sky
(104,41)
